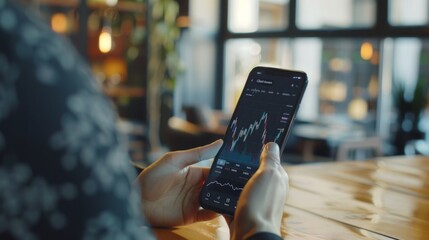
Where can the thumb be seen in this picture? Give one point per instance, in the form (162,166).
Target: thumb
(270,156)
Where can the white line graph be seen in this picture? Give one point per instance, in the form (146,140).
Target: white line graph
(225,184)
(254,126)
(245,132)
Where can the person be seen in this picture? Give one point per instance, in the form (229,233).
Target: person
(64,168)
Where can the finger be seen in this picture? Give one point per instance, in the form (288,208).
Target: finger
(205,215)
(191,156)
(270,156)
(206,172)
(228,219)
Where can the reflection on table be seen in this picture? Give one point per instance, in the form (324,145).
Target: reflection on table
(386,198)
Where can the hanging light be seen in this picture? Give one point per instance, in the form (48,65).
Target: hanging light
(59,23)
(366,51)
(105,40)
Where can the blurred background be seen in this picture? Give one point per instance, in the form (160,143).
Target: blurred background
(175,69)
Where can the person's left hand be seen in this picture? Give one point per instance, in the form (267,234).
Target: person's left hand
(170,187)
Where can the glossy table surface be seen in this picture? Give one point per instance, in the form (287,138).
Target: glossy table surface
(385,198)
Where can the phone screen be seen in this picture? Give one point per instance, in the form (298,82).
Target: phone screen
(264,113)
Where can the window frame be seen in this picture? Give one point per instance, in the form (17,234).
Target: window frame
(380,31)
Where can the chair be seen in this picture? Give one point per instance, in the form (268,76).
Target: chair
(362,148)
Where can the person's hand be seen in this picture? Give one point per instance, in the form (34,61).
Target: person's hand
(260,207)
(170,187)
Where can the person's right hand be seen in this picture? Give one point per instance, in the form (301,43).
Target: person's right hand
(260,207)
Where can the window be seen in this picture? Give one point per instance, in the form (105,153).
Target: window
(257,15)
(313,14)
(408,12)
(354,51)
(244,54)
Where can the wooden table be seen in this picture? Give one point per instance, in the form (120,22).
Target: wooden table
(386,198)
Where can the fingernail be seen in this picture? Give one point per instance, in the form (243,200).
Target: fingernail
(272,147)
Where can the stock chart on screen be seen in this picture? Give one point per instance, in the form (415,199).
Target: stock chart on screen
(254,125)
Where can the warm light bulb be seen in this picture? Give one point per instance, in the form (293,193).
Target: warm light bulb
(366,51)
(59,22)
(358,109)
(105,40)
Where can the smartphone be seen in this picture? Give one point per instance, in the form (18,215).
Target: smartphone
(264,113)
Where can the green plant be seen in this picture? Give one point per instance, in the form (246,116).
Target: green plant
(410,105)
(164,64)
